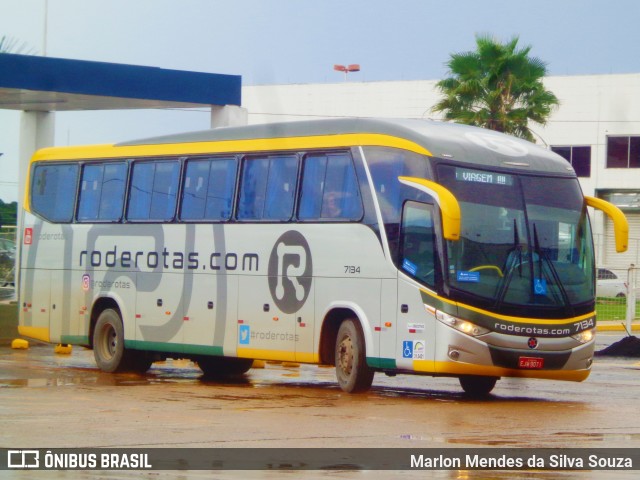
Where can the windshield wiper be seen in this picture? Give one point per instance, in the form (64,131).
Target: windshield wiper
(517,246)
(544,257)
(514,258)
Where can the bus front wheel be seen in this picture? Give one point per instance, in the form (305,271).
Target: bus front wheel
(352,371)
(477,386)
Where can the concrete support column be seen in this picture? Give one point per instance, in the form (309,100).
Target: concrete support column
(228,116)
(36,131)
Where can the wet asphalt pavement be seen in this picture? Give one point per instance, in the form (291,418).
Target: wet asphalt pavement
(55,401)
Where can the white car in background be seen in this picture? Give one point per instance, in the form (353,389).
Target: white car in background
(609,285)
(7,260)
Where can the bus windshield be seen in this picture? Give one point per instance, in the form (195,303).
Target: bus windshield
(524,240)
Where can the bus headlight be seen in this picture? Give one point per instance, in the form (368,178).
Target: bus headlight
(584,337)
(463,326)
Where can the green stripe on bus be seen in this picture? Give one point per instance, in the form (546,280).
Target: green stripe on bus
(203,350)
(174,347)
(384,363)
(74,339)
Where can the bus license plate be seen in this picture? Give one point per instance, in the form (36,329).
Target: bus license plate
(531,363)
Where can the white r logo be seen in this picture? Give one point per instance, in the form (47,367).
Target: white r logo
(290,271)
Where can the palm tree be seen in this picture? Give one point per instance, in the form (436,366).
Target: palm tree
(499,86)
(11,45)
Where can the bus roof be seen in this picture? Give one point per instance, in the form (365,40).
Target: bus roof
(445,140)
(462,143)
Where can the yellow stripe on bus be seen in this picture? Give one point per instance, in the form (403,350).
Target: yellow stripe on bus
(455,368)
(227,146)
(280,355)
(508,318)
(107,151)
(38,333)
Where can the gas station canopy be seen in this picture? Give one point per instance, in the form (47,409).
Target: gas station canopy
(31,83)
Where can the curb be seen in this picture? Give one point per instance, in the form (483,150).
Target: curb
(616,327)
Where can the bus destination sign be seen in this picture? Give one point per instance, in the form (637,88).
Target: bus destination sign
(478,176)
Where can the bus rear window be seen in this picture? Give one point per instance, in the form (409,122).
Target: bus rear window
(53,191)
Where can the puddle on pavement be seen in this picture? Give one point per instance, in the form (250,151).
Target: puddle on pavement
(38,367)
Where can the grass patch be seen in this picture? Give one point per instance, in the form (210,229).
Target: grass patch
(8,321)
(613,308)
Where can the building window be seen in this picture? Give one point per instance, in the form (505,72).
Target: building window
(578,157)
(623,152)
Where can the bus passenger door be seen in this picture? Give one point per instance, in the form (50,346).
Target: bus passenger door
(418,262)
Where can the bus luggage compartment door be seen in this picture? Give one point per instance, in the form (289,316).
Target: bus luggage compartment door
(35,299)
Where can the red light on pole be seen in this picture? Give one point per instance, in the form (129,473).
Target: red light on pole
(354,67)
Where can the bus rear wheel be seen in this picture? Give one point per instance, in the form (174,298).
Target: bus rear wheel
(216,367)
(477,386)
(108,346)
(352,371)
(108,341)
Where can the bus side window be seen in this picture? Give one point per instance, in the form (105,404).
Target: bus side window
(194,192)
(267,188)
(154,187)
(417,242)
(329,189)
(222,183)
(53,191)
(102,192)
(208,189)
(281,188)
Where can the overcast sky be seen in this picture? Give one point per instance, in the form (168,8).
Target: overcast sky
(299,41)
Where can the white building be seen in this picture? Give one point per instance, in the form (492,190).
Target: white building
(596,127)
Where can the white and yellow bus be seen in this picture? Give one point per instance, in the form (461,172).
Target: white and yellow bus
(372,245)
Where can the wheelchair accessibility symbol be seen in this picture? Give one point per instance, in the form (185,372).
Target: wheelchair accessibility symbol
(540,286)
(407,349)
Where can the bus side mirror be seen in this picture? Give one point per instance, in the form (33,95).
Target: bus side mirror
(449,207)
(620,224)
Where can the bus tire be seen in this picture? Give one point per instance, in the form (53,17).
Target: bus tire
(216,367)
(138,362)
(477,386)
(108,342)
(352,371)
